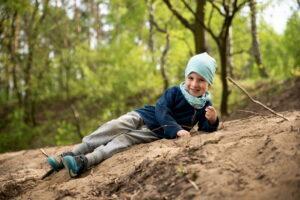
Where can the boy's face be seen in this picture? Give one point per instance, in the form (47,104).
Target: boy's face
(196,84)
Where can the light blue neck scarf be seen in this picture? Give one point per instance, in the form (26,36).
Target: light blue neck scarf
(196,102)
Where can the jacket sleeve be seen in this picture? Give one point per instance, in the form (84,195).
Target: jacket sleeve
(205,125)
(164,114)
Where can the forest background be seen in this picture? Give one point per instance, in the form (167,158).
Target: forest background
(68,66)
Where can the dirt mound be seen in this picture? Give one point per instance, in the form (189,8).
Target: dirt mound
(253,158)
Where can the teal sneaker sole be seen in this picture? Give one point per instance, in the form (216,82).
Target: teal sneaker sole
(54,164)
(70,164)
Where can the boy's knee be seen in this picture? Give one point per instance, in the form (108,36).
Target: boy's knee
(87,144)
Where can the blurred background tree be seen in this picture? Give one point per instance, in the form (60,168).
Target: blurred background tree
(68,66)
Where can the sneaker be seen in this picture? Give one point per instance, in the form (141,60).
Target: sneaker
(56,161)
(76,165)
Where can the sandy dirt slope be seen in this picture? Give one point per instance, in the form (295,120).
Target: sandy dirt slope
(251,158)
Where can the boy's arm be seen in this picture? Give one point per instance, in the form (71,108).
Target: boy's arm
(207,126)
(210,121)
(163,114)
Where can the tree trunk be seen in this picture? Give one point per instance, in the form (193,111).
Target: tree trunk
(229,52)
(255,44)
(13,54)
(224,61)
(163,61)
(151,29)
(98,22)
(28,115)
(196,26)
(67,77)
(199,32)
(32,33)
(77,17)
(228,9)
(4,84)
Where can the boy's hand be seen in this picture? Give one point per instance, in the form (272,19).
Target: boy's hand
(211,114)
(183,133)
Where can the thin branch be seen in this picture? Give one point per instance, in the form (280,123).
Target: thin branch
(238,52)
(241,5)
(226,9)
(255,101)
(210,17)
(45,12)
(163,61)
(153,22)
(207,28)
(216,7)
(179,16)
(188,7)
(150,40)
(236,7)
(234,4)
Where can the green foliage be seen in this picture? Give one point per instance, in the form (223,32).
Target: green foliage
(11,6)
(272,51)
(109,74)
(19,135)
(181,170)
(280,53)
(243,63)
(291,43)
(65,133)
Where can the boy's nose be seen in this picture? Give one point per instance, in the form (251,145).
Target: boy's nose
(194,83)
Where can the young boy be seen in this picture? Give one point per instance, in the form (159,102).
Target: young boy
(174,115)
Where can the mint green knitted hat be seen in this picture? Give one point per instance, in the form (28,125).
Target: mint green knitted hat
(204,65)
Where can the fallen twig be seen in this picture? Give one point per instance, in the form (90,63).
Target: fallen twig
(49,172)
(43,152)
(193,184)
(255,101)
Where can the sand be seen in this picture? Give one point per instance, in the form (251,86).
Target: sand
(257,157)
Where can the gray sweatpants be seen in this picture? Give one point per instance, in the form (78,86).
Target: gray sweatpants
(114,136)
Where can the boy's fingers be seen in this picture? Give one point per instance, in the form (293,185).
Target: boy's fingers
(207,116)
(209,108)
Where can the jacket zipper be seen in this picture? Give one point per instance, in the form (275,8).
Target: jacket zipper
(194,116)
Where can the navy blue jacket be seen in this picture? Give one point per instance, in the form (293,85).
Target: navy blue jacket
(172,113)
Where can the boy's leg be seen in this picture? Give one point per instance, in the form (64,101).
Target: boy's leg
(108,132)
(101,136)
(78,164)
(81,148)
(119,143)
(112,137)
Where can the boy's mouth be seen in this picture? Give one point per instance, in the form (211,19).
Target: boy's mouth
(195,90)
